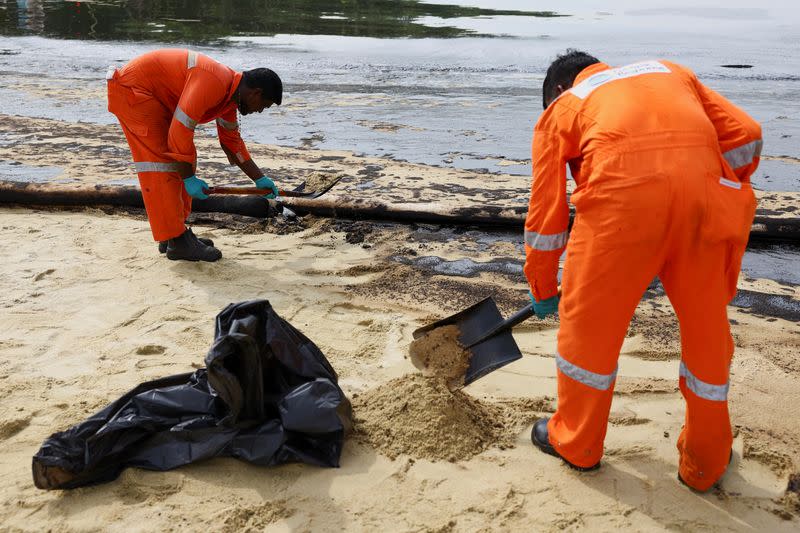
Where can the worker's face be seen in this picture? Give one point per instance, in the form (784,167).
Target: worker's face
(253,102)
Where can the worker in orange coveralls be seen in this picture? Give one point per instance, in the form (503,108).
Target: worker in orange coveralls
(159,99)
(662,167)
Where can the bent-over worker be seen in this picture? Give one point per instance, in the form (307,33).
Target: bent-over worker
(662,167)
(159,99)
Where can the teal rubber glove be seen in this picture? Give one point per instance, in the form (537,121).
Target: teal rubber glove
(196,187)
(265,183)
(545,307)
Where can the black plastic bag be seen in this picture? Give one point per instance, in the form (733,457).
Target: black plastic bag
(267,396)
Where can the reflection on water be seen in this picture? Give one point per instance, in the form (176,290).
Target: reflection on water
(207,20)
(15,171)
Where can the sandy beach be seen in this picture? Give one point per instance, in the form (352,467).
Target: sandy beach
(90,310)
(409,121)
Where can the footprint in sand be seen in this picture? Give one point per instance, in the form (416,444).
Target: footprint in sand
(150,349)
(251,518)
(9,428)
(41,275)
(136,485)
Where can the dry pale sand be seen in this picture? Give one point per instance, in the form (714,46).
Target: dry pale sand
(89,309)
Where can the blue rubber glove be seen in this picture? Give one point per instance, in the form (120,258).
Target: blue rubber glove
(265,183)
(545,307)
(195,187)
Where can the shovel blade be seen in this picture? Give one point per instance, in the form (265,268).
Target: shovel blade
(474,321)
(483,312)
(489,355)
(329,186)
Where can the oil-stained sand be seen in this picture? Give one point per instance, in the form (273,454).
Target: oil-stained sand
(86,298)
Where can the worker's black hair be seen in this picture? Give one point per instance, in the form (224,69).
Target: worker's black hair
(562,72)
(266,80)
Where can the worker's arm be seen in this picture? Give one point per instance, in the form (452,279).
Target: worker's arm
(249,166)
(547,223)
(738,134)
(203,91)
(233,145)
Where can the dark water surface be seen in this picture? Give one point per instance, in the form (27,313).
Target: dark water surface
(450,83)
(203,21)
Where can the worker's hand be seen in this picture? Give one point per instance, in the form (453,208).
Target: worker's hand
(196,187)
(265,183)
(545,307)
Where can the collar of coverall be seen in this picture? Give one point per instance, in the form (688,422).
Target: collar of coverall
(237,78)
(588,71)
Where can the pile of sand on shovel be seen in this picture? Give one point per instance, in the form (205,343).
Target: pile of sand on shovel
(316,181)
(440,354)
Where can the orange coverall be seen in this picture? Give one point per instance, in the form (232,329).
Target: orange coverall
(662,166)
(159,98)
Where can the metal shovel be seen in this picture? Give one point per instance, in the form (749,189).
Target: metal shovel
(485,335)
(297,192)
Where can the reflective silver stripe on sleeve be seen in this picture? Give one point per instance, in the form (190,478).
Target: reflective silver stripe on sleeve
(743,155)
(730,183)
(155,166)
(184,119)
(191,61)
(590,379)
(240,157)
(227,124)
(544,242)
(716,393)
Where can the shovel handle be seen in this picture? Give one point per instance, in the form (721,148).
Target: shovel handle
(252,191)
(237,190)
(520,316)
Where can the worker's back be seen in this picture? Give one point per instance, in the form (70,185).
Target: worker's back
(649,108)
(163,74)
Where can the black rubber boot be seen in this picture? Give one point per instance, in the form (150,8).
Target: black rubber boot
(540,439)
(188,248)
(162,245)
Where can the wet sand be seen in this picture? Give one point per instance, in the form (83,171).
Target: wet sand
(90,309)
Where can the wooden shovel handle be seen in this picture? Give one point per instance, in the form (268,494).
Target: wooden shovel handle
(254,191)
(239,190)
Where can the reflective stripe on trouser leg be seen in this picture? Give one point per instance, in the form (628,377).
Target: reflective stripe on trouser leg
(603,280)
(162,189)
(695,280)
(163,200)
(581,375)
(155,166)
(584,397)
(715,393)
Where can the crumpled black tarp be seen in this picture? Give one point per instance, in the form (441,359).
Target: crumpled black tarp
(267,396)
